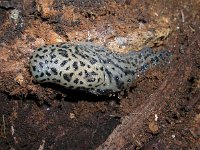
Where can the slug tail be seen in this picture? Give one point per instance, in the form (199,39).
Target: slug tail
(147,58)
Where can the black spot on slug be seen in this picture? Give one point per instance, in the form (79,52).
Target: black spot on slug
(134,65)
(39,49)
(86,73)
(37,55)
(41,64)
(69,49)
(76,50)
(136,61)
(34,68)
(156,59)
(41,57)
(44,51)
(82,63)
(63,52)
(75,66)
(76,80)
(90,79)
(71,87)
(99,80)
(145,56)
(82,56)
(80,73)
(52,55)
(52,46)
(47,73)
(87,56)
(152,60)
(73,55)
(65,46)
(71,74)
(109,75)
(93,73)
(67,68)
(67,77)
(119,83)
(63,63)
(42,74)
(144,67)
(140,56)
(56,61)
(54,71)
(93,61)
(53,49)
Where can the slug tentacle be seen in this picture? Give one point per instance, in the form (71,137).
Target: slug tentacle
(89,67)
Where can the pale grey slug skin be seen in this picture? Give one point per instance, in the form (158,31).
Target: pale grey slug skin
(89,67)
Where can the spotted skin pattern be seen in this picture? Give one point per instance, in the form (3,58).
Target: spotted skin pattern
(89,67)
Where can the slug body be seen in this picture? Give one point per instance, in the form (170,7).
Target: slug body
(89,67)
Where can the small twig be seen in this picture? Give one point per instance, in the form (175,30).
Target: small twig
(136,113)
(4,125)
(183,16)
(12,130)
(42,145)
(93,133)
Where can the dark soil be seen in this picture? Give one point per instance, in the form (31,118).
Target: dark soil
(161,110)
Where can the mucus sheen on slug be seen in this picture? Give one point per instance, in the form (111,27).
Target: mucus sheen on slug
(91,68)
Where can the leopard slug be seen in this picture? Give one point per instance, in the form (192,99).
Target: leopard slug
(89,67)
